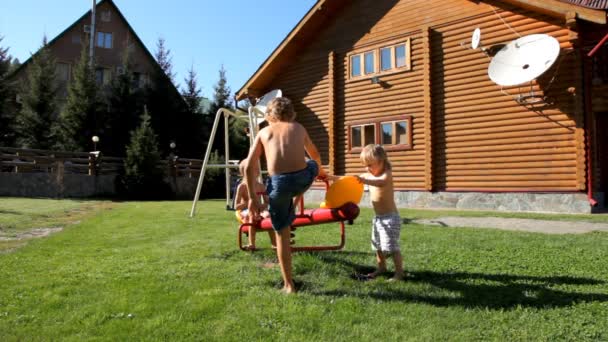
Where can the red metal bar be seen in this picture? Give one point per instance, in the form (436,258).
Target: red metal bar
(598,46)
(347,212)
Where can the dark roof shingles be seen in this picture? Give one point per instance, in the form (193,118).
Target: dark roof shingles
(595,4)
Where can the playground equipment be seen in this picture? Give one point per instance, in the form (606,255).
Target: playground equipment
(255,116)
(347,212)
(342,212)
(344,190)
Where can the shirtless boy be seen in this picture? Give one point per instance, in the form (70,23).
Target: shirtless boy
(284,143)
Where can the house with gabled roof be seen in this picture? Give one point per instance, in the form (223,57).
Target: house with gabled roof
(112,36)
(410,75)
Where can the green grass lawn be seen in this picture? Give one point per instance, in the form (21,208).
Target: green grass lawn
(146,271)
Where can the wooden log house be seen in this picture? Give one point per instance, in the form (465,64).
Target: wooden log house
(403,73)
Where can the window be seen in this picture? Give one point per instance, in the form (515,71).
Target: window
(394,133)
(76,38)
(382,60)
(104,40)
(106,16)
(362,135)
(103,76)
(385,59)
(62,71)
(400,60)
(355,66)
(369,62)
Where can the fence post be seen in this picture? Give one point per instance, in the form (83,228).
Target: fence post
(93,163)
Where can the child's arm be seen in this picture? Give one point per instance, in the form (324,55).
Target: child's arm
(312,151)
(369,179)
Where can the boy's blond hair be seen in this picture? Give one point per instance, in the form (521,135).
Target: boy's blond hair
(281,109)
(375,153)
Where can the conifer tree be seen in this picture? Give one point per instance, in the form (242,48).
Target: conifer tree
(195,133)
(164,59)
(143,178)
(164,103)
(124,101)
(221,99)
(80,118)
(7,96)
(38,110)
(192,93)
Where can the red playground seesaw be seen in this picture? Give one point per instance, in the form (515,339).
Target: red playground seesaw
(340,206)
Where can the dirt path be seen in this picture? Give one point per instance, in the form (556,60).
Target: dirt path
(527,225)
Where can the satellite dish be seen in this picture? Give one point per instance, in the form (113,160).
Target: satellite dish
(523,59)
(260,106)
(476,38)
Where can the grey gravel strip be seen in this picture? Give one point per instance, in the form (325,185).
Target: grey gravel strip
(526,225)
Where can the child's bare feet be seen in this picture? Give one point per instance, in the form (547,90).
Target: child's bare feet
(397,277)
(289,288)
(375,273)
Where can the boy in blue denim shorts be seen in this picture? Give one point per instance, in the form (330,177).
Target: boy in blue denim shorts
(284,143)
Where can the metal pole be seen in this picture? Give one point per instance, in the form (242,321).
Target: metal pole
(92,34)
(202,174)
(227,155)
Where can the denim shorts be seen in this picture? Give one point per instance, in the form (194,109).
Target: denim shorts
(282,188)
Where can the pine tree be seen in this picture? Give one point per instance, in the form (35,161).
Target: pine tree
(221,99)
(221,93)
(163,57)
(124,101)
(193,126)
(80,118)
(7,110)
(192,94)
(143,178)
(164,104)
(38,109)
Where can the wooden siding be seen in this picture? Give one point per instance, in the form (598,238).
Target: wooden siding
(467,134)
(484,140)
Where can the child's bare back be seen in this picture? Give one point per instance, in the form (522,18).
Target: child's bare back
(284,145)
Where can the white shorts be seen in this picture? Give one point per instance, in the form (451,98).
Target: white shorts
(386,232)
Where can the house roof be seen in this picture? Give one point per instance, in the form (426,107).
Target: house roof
(131,31)
(589,10)
(595,4)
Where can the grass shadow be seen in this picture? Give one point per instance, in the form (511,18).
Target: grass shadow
(479,290)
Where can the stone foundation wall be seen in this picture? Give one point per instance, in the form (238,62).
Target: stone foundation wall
(58,185)
(571,203)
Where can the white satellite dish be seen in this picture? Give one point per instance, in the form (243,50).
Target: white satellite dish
(260,108)
(476,38)
(523,59)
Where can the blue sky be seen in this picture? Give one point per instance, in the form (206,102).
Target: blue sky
(205,34)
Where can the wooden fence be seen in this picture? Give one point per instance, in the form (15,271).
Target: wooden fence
(18,160)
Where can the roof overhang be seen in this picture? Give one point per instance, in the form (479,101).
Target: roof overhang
(318,15)
(561,10)
(299,36)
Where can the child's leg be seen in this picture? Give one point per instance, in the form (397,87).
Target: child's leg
(252,238)
(381,265)
(284,255)
(398,265)
(272,237)
(252,232)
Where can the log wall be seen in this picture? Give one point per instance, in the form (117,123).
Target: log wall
(468,133)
